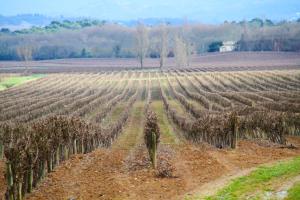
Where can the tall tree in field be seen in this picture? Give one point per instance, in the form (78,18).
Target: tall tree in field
(163,43)
(180,51)
(243,43)
(185,32)
(25,54)
(189,52)
(142,43)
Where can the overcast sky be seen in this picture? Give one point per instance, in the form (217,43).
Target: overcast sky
(200,10)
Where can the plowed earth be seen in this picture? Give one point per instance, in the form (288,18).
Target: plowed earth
(123,171)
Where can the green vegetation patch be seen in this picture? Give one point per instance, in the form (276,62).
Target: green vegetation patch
(133,131)
(114,114)
(294,192)
(258,180)
(167,132)
(9,82)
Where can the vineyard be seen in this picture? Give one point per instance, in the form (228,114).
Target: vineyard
(88,127)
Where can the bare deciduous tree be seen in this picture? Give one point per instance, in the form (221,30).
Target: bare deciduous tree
(163,44)
(142,43)
(186,39)
(180,52)
(25,54)
(190,50)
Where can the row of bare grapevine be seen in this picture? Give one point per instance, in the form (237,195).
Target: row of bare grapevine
(216,131)
(112,101)
(202,97)
(198,97)
(190,107)
(68,101)
(213,97)
(89,107)
(31,150)
(57,96)
(113,130)
(270,125)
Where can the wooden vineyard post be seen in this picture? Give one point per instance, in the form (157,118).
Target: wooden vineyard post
(210,107)
(82,146)
(151,136)
(283,132)
(10,181)
(19,191)
(75,146)
(30,178)
(1,150)
(235,134)
(154,150)
(66,152)
(43,169)
(234,129)
(57,154)
(49,163)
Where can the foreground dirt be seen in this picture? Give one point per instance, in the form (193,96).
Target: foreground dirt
(104,174)
(110,174)
(238,166)
(124,172)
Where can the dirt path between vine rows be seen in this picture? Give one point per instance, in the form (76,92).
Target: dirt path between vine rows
(95,175)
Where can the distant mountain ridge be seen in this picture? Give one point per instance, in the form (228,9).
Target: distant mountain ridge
(34,19)
(28,20)
(155,21)
(21,21)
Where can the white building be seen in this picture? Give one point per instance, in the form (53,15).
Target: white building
(228,46)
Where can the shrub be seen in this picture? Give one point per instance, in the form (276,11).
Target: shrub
(151,136)
(165,169)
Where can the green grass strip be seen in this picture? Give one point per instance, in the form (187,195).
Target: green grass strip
(294,192)
(257,180)
(17,80)
(168,135)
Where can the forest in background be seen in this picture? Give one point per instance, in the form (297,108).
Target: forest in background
(100,39)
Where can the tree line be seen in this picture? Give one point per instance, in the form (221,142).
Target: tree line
(99,39)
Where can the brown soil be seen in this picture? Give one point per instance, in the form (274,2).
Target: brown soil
(124,172)
(203,62)
(104,174)
(244,160)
